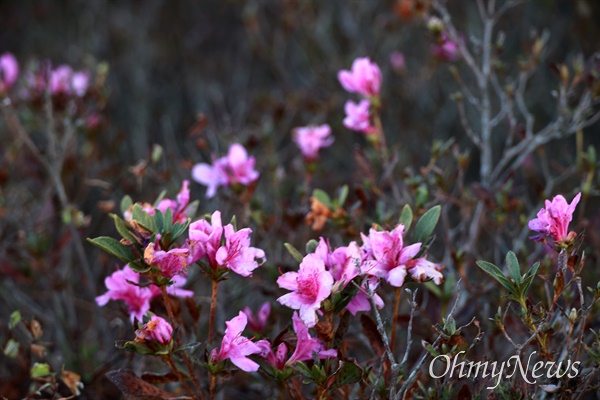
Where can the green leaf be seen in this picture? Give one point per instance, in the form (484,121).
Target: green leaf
(159,221)
(426,224)
(294,252)
(529,278)
(114,247)
(495,273)
(15,318)
(406,217)
(168,220)
(11,350)
(322,197)
(126,202)
(142,218)
(122,228)
(179,229)
(311,246)
(513,266)
(39,370)
(343,195)
(303,369)
(136,347)
(341,299)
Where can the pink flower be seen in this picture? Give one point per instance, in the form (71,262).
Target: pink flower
(389,259)
(234,168)
(422,269)
(364,78)
(311,285)
(276,359)
(553,221)
(236,254)
(358,116)
(156,330)
(205,239)
(307,345)
(79,82)
(9,71)
(361,302)
(211,176)
(445,49)
(178,206)
(236,347)
(170,263)
(258,323)
(312,138)
(398,61)
(123,285)
(240,167)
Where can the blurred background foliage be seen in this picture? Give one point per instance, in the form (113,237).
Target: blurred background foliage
(195,76)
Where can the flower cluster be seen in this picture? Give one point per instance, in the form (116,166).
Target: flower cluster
(326,272)
(125,285)
(553,220)
(311,139)
(364,79)
(233,253)
(61,81)
(233,169)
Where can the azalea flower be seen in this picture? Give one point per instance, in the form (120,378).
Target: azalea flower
(387,258)
(9,71)
(63,80)
(311,139)
(275,358)
(553,220)
(446,49)
(156,330)
(124,285)
(306,348)
(361,301)
(177,206)
(258,322)
(358,116)
(170,263)
(364,78)
(205,238)
(236,347)
(234,168)
(307,345)
(237,254)
(311,285)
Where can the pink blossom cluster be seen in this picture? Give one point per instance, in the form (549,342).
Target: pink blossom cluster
(9,71)
(326,272)
(223,246)
(445,49)
(236,347)
(364,79)
(233,169)
(125,285)
(310,139)
(61,81)
(553,220)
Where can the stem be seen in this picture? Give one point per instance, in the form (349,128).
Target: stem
(213,309)
(213,384)
(186,361)
(394,318)
(171,364)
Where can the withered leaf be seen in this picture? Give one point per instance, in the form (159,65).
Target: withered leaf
(134,388)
